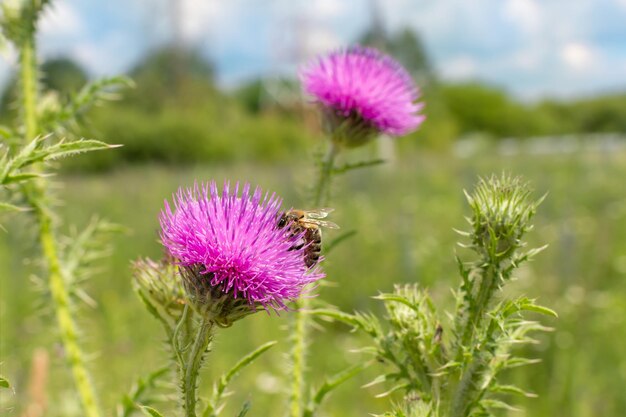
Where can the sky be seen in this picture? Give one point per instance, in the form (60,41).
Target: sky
(532,48)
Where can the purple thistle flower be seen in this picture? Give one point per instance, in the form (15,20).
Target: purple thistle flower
(230,245)
(365,84)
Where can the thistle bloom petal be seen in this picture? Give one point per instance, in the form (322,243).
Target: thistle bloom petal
(232,244)
(364,83)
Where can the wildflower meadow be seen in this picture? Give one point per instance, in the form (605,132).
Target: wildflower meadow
(334,269)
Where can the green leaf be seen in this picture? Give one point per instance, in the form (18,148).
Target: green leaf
(392,390)
(129,401)
(218,389)
(244,409)
(515,362)
(357,165)
(11,207)
(5,131)
(349,319)
(333,382)
(498,404)
(4,383)
(36,152)
(10,179)
(339,239)
(92,94)
(65,149)
(149,411)
(540,309)
(245,361)
(512,389)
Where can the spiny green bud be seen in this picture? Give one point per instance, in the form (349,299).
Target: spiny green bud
(158,285)
(502,211)
(409,309)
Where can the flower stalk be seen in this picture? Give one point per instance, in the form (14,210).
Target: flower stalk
(35,193)
(191,367)
(28,77)
(301,320)
(351,88)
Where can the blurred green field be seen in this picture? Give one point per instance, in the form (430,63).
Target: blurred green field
(404,214)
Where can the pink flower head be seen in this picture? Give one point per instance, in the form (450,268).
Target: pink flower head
(234,243)
(365,83)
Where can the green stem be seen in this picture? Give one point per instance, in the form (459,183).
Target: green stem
(28,75)
(66,323)
(191,368)
(298,358)
(480,303)
(322,188)
(464,390)
(298,353)
(35,195)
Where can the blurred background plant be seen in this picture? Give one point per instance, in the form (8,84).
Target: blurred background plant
(39,136)
(568,142)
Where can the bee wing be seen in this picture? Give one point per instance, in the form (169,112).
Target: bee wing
(319,213)
(328,225)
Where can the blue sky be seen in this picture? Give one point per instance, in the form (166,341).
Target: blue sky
(533,48)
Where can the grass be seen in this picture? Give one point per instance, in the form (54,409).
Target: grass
(404,215)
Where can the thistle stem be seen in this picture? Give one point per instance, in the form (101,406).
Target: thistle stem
(28,76)
(298,353)
(479,303)
(322,188)
(464,389)
(298,358)
(67,325)
(35,195)
(191,367)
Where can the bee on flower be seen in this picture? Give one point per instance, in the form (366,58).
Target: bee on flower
(232,254)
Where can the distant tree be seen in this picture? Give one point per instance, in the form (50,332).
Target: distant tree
(601,114)
(405,46)
(63,75)
(481,108)
(250,95)
(172,74)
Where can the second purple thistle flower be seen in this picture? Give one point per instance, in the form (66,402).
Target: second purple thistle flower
(230,244)
(366,86)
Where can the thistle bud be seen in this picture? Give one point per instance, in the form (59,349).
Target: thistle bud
(501,216)
(158,285)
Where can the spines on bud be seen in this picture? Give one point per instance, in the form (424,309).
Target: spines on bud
(501,214)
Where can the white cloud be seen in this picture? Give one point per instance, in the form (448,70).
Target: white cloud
(320,40)
(8,62)
(109,56)
(61,20)
(200,17)
(327,8)
(527,14)
(459,67)
(578,56)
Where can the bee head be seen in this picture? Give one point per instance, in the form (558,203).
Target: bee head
(282,220)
